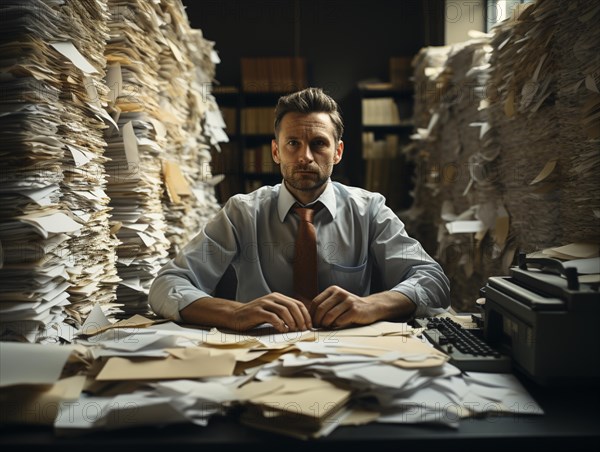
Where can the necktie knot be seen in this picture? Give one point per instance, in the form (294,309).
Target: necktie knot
(305,213)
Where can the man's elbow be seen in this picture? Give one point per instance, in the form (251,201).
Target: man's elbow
(159,300)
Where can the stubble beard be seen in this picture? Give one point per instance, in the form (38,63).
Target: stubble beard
(307,184)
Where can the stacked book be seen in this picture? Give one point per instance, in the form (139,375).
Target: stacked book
(273,75)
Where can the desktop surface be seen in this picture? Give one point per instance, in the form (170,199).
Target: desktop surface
(571,422)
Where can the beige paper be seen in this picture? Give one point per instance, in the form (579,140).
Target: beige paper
(574,251)
(502,227)
(373,330)
(379,346)
(175,182)
(256,389)
(197,364)
(312,398)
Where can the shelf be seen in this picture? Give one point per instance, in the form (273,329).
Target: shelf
(225,90)
(384,89)
(392,128)
(386,170)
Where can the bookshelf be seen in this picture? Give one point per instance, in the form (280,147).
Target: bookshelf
(386,125)
(227,161)
(258,167)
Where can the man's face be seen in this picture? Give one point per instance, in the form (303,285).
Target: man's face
(306,150)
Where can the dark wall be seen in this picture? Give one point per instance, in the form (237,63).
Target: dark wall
(343,42)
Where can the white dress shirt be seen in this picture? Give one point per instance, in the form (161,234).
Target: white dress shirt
(357,234)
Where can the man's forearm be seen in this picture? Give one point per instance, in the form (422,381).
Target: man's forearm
(392,305)
(209,311)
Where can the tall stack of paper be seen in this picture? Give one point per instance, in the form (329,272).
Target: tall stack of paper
(167,120)
(64,65)
(193,124)
(521,113)
(134,185)
(460,139)
(513,144)
(34,224)
(578,107)
(205,129)
(422,219)
(84,93)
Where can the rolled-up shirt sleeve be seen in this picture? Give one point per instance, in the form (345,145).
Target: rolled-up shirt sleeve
(404,265)
(197,269)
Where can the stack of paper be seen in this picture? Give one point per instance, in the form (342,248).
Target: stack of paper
(455,149)
(464,138)
(520,113)
(488,163)
(187,69)
(65,65)
(84,93)
(422,219)
(134,183)
(302,407)
(162,71)
(578,106)
(34,225)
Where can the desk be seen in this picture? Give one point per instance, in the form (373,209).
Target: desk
(572,422)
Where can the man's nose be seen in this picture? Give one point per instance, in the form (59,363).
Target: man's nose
(306,155)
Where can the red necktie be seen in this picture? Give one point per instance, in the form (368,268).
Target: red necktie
(305,260)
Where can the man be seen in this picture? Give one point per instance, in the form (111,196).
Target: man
(358,237)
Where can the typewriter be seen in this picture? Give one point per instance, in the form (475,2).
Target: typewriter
(546,321)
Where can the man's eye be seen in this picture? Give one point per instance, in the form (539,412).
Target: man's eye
(293,143)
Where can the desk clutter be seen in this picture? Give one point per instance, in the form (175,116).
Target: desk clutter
(141,372)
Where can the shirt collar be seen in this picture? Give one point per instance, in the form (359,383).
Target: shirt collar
(286,200)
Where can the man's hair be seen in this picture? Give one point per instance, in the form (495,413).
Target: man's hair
(309,100)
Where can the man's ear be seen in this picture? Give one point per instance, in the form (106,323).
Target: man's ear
(339,151)
(275,151)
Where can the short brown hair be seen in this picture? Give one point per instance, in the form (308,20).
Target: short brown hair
(309,100)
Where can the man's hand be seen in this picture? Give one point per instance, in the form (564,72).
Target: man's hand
(284,313)
(338,308)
